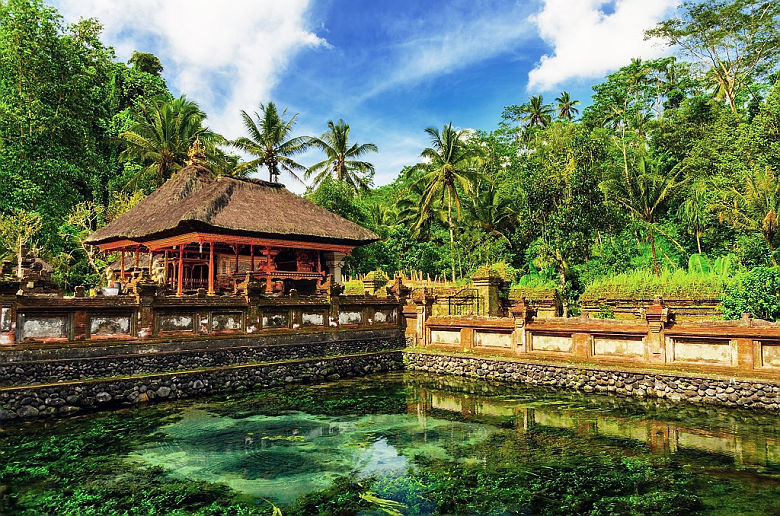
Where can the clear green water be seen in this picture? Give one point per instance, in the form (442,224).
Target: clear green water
(397,443)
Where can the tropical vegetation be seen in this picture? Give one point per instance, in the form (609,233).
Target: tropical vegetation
(671,158)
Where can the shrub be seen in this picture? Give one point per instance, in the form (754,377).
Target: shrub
(756,292)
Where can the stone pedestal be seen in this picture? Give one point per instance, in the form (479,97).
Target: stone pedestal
(522,313)
(375,282)
(424,311)
(657,317)
(145,290)
(487,286)
(334,260)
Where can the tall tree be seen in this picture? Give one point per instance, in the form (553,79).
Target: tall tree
(52,111)
(450,166)
(162,133)
(341,158)
(695,212)
(737,41)
(17,230)
(641,186)
(271,143)
(146,62)
(566,106)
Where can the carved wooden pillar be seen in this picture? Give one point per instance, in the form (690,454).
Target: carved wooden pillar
(211,268)
(179,287)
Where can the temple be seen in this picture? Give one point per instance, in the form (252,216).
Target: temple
(201,231)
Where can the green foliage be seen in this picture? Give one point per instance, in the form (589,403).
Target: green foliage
(340,198)
(756,292)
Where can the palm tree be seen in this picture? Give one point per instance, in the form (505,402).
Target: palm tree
(695,212)
(161,135)
(493,213)
(642,187)
(755,206)
(269,141)
(565,106)
(450,165)
(536,113)
(408,211)
(341,157)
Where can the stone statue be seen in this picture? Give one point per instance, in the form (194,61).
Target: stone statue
(158,271)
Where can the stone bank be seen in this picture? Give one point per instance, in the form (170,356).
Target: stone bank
(693,388)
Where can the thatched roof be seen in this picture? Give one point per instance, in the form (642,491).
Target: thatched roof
(195,200)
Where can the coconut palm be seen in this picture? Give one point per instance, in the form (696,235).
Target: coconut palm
(161,135)
(536,113)
(341,157)
(270,142)
(450,166)
(565,106)
(642,186)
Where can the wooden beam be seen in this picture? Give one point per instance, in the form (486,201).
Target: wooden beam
(119,244)
(196,237)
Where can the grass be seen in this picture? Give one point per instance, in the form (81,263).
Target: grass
(644,285)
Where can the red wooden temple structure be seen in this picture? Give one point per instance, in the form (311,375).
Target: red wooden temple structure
(202,231)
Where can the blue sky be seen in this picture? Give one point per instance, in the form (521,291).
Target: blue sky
(389,69)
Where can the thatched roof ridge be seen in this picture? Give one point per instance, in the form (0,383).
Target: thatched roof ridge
(195,200)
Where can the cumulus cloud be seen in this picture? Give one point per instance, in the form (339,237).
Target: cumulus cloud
(226,55)
(588,42)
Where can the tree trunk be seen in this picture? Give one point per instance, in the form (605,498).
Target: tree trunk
(562,281)
(772,251)
(452,235)
(698,242)
(656,270)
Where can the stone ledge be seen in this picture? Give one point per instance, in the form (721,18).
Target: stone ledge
(152,360)
(700,389)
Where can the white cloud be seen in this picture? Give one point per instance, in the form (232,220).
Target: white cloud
(588,43)
(226,55)
(463,34)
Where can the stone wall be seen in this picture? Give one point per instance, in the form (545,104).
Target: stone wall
(746,347)
(729,392)
(72,397)
(26,367)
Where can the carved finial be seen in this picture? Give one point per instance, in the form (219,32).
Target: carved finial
(197,152)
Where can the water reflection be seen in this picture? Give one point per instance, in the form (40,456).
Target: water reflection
(279,451)
(746,446)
